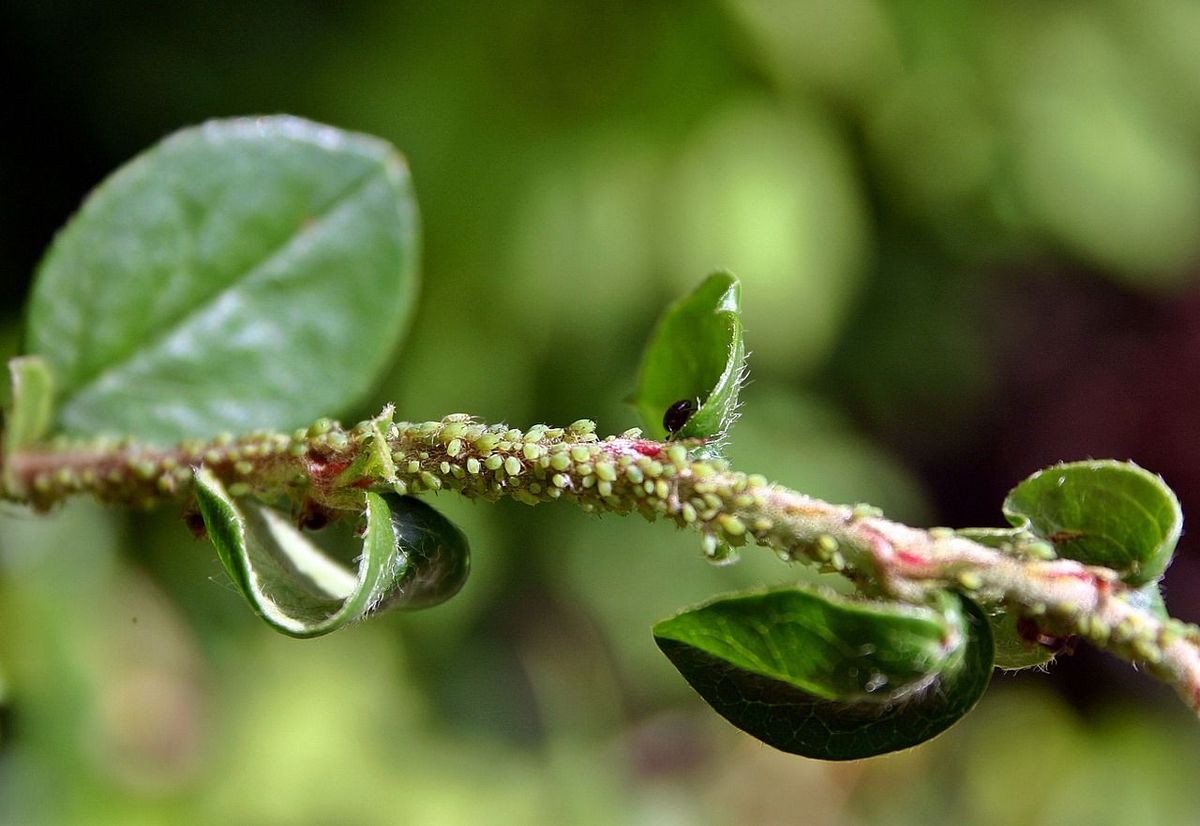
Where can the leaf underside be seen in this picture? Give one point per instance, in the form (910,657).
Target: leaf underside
(412,557)
(828,678)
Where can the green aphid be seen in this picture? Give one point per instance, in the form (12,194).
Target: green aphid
(452,431)
(582,427)
(487,442)
(580,453)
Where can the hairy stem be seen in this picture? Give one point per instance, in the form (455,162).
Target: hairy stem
(326,468)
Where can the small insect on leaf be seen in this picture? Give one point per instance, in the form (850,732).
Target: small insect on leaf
(677,415)
(694,365)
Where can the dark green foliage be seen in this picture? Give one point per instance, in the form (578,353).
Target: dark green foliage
(822,676)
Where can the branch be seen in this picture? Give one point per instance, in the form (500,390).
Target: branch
(326,467)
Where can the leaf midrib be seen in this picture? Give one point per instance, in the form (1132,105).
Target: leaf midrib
(168,327)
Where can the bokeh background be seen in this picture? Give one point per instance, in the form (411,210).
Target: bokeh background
(969,235)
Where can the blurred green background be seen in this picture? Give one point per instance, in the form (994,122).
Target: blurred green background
(969,235)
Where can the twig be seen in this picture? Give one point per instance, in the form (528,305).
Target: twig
(327,467)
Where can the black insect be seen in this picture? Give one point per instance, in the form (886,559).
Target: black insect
(195,524)
(677,415)
(313,517)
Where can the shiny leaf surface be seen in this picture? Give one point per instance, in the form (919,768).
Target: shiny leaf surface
(245,273)
(823,676)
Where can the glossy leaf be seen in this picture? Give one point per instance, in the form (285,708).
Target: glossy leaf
(695,356)
(436,558)
(1108,513)
(245,273)
(31,411)
(823,676)
(412,557)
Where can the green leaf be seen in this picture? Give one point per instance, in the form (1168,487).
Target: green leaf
(1001,538)
(29,416)
(242,274)
(1108,513)
(1012,650)
(826,677)
(436,561)
(696,355)
(376,461)
(412,557)
(31,412)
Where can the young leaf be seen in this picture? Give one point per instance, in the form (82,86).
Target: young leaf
(1013,650)
(31,411)
(826,677)
(28,418)
(245,273)
(412,557)
(693,365)
(1106,513)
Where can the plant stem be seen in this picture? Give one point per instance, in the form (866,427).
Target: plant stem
(328,467)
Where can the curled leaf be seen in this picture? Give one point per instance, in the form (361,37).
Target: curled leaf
(694,363)
(412,557)
(436,559)
(1108,513)
(827,677)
